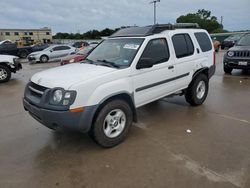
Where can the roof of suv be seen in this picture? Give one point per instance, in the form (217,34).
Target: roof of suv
(151,30)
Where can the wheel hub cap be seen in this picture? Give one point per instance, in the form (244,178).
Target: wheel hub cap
(201,90)
(3,74)
(114,123)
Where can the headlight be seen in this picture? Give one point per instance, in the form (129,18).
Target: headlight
(61,97)
(57,96)
(72,61)
(230,53)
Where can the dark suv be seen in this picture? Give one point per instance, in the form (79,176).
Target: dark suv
(238,57)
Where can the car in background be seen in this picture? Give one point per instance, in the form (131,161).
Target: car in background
(39,47)
(8,64)
(79,56)
(9,48)
(5,41)
(52,52)
(94,44)
(80,44)
(238,57)
(216,44)
(230,41)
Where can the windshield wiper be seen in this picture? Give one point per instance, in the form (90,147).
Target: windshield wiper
(89,61)
(104,62)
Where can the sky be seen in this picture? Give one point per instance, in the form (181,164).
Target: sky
(83,15)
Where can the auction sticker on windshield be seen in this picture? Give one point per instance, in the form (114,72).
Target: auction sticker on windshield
(131,46)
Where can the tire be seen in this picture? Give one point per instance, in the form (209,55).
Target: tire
(197,91)
(227,70)
(44,59)
(23,54)
(5,74)
(112,123)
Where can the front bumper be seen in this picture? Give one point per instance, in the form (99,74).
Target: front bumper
(62,119)
(234,63)
(32,58)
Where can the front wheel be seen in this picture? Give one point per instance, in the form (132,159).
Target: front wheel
(44,59)
(112,123)
(227,70)
(5,74)
(197,91)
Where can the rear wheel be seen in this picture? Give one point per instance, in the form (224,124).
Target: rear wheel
(197,91)
(23,54)
(5,74)
(44,59)
(112,123)
(227,70)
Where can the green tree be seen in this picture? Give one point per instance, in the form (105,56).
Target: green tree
(204,18)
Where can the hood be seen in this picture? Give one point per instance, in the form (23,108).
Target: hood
(240,48)
(66,76)
(7,58)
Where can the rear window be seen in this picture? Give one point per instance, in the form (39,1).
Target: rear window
(183,45)
(204,41)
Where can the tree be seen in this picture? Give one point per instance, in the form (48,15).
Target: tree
(203,18)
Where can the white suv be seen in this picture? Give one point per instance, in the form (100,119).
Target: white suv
(133,67)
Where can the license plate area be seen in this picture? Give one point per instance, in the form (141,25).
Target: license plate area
(242,63)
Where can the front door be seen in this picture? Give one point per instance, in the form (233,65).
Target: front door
(157,81)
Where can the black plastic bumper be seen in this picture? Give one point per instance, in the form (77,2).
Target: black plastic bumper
(234,63)
(62,119)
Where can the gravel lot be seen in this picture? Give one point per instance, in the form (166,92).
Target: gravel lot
(159,152)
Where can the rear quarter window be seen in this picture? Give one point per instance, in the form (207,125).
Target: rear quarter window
(183,45)
(204,41)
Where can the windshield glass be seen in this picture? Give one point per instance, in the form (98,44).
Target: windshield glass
(233,38)
(49,48)
(84,51)
(118,52)
(244,41)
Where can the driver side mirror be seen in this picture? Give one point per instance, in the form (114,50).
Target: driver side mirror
(51,51)
(145,63)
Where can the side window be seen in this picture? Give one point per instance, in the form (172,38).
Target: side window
(157,50)
(183,45)
(65,48)
(57,48)
(204,41)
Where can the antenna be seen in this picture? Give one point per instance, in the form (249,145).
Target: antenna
(154,2)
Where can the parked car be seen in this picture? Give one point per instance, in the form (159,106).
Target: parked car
(93,44)
(238,57)
(133,67)
(52,52)
(9,48)
(79,56)
(80,44)
(216,44)
(5,42)
(8,64)
(230,41)
(39,47)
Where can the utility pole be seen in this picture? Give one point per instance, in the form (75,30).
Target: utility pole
(154,2)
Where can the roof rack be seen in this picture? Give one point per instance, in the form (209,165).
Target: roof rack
(150,30)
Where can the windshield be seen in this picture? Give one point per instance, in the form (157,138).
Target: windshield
(116,52)
(244,41)
(233,38)
(84,51)
(48,48)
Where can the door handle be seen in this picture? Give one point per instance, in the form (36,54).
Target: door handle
(171,67)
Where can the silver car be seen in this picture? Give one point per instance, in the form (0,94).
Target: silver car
(52,52)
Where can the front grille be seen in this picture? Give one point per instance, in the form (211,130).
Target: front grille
(36,90)
(242,54)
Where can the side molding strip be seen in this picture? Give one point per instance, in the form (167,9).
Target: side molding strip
(161,82)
